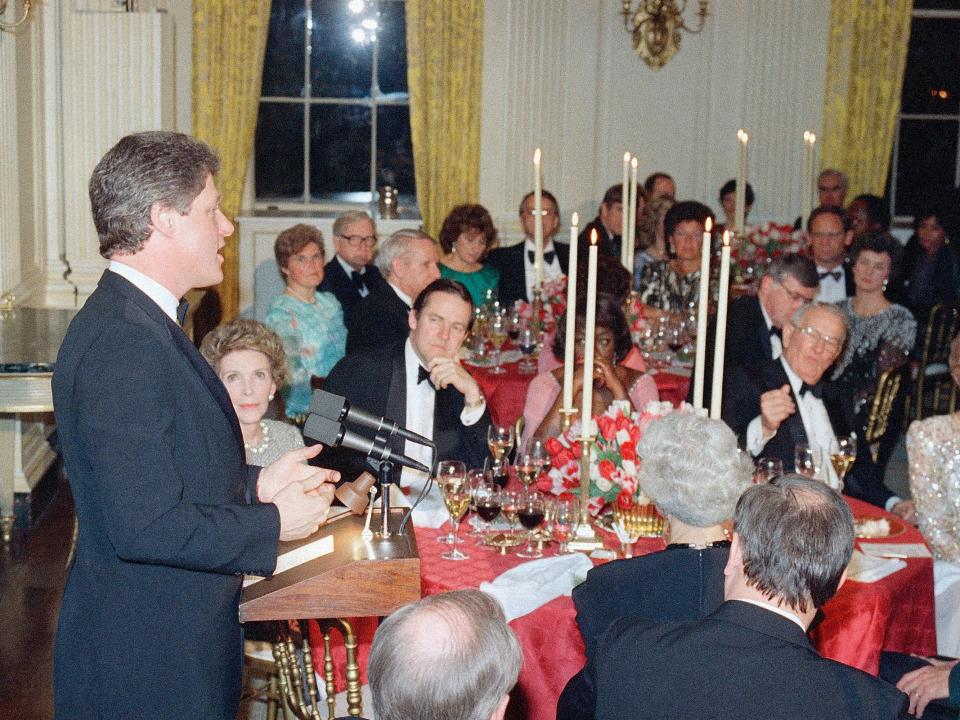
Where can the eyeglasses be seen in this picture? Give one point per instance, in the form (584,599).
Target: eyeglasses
(835,345)
(358,240)
(794,295)
(544,213)
(829,189)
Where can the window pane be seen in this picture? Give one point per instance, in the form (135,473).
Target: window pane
(926,160)
(283,63)
(339,149)
(936,5)
(931,82)
(392,49)
(339,66)
(279,152)
(394,149)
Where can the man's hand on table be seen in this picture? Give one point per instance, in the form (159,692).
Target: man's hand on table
(927,683)
(907,510)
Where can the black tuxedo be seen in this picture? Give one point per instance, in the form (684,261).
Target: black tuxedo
(742,661)
(608,244)
(337,281)
(675,585)
(148,626)
(742,389)
(378,321)
(513,280)
(748,343)
(376,382)
(849,286)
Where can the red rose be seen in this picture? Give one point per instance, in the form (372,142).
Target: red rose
(563,457)
(628,451)
(566,496)
(625,499)
(545,484)
(607,427)
(554,446)
(606,468)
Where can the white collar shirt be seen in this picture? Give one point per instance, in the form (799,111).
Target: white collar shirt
(816,424)
(551,270)
(831,290)
(401,294)
(776,346)
(421,399)
(150,287)
(348,269)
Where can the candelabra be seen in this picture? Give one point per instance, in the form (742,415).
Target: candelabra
(655,26)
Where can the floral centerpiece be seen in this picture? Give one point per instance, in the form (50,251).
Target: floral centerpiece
(613,459)
(554,294)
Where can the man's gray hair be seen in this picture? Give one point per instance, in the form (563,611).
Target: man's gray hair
(799,267)
(828,172)
(692,469)
(801,312)
(395,246)
(450,655)
(796,536)
(164,168)
(349,218)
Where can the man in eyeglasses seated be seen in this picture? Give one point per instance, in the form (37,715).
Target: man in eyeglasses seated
(829,234)
(351,274)
(516,263)
(776,406)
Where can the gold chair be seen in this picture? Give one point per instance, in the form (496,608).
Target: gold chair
(881,409)
(933,372)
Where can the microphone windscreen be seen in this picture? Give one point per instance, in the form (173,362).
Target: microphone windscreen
(327,405)
(323,430)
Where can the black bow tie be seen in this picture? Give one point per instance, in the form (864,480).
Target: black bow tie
(424,374)
(357,279)
(182,308)
(835,274)
(547,257)
(815,390)
(776,332)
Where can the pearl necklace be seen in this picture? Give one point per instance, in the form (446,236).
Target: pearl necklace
(264,441)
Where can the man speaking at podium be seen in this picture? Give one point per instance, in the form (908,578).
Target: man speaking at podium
(170,516)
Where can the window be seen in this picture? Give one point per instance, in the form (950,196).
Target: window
(925,152)
(334,120)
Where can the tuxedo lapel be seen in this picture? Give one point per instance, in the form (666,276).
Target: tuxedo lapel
(776,377)
(396,406)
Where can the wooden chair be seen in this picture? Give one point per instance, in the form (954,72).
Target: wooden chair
(881,409)
(932,379)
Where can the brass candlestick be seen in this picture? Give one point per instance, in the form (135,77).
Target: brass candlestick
(586,537)
(567,417)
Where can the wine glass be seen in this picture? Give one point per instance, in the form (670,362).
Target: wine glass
(509,506)
(489,501)
(498,336)
(499,472)
(500,439)
(843,453)
(538,453)
(530,512)
(457,499)
(450,473)
(528,469)
(514,326)
(767,469)
(566,517)
(475,479)
(808,460)
(527,343)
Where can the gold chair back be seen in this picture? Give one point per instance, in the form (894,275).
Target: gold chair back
(878,421)
(933,374)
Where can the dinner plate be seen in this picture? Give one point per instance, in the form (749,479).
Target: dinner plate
(897,526)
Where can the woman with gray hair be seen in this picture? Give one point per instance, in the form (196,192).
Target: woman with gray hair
(693,471)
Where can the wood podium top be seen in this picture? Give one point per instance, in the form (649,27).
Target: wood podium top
(359,578)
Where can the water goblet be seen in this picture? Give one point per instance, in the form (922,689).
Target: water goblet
(808,460)
(476,478)
(566,517)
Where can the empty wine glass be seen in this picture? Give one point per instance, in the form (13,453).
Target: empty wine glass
(450,473)
(808,460)
(530,513)
(566,516)
(500,439)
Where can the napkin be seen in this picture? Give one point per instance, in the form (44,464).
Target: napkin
(869,569)
(430,513)
(895,550)
(523,589)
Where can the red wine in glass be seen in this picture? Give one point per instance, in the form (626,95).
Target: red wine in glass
(530,518)
(488,511)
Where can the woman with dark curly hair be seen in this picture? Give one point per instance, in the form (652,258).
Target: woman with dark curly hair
(466,237)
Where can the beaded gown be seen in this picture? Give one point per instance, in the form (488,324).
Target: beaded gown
(276,439)
(933,446)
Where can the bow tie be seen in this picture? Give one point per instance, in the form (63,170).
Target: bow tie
(835,274)
(357,279)
(776,332)
(182,308)
(424,374)
(815,390)
(547,257)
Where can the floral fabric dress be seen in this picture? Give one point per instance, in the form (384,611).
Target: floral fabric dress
(314,338)
(663,287)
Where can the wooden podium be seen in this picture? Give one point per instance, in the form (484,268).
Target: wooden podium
(359,578)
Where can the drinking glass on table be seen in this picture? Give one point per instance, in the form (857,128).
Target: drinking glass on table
(538,453)
(527,342)
(498,336)
(499,472)
(457,499)
(509,506)
(767,469)
(843,453)
(566,517)
(530,513)
(450,473)
(807,460)
(528,469)
(514,326)
(500,439)
(489,501)
(476,478)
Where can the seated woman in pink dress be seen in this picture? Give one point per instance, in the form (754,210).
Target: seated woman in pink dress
(611,379)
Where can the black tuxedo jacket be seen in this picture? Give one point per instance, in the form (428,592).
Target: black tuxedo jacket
(337,281)
(748,342)
(742,389)
(513,280)
(742,661)
(675,585)
(378,321)
(608,245)
(148,626)
(376,382)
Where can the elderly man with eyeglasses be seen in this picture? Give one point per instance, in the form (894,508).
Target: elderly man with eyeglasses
(351,274)
(779,404)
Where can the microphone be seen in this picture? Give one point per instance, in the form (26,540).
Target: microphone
(338,408)
(332,433)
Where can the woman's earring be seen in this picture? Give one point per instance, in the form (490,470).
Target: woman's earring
(885,285)
(271,397)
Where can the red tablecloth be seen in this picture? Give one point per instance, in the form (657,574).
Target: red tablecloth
(895,613)
(507,393)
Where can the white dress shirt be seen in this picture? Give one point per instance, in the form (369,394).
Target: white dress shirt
(150,287)
(349,270)
(776,346)
(551,270)
(401,294)
(831,290)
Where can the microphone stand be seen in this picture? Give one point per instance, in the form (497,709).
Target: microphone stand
(385,475)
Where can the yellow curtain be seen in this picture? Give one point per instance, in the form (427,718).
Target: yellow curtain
(444,72)
(867,55)
(229,39)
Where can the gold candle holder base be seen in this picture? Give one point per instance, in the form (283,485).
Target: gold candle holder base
(585,538)
(567,416)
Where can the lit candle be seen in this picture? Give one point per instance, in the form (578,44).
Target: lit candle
(632,218)
(586,412)
(538,221)
(569,346)
(741,196)
(809,145)
(716,394)
(624,201)
(699,369)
